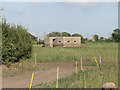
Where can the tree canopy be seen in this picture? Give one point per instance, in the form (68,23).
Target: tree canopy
(16,43)
(65,34)
(96,37)
(116,35)
(54,34)
(58,34)
(76,35)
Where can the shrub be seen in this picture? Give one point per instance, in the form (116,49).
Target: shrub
(40,42)
(16,43)
(89,40)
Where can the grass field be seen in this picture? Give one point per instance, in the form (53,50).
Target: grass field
(90,78)
(93,78)
(108,51)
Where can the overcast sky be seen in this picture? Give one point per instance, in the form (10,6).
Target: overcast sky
(84,18)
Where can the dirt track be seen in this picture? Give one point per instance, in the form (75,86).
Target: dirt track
(23,81)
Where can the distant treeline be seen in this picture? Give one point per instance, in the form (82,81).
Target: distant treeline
(115,37)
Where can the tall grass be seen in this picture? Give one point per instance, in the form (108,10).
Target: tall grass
(93,78)
(21,68)
(72,54)
(88,79)
(100,44)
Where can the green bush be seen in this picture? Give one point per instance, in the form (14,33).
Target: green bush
(16,43)
(40,42)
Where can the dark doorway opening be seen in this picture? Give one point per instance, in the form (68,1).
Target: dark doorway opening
(54,42)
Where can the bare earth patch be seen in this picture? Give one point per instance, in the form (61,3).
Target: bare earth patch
(23,81)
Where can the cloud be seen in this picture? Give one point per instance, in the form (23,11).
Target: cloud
(19,10)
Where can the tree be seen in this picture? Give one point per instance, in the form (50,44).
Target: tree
(65,34)
(110,39)
(78,35)
(96,37)
(16,43)
(101,38)
(33,38)
(58,34)
(54,34)
(86,39)
(116,35)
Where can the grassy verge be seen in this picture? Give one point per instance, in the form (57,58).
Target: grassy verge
(87,79)
(21,68)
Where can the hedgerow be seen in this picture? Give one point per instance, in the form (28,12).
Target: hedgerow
(16,43)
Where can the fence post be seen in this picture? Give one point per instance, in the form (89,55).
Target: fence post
(96,62)
(57,77)
(81,64)
(31,81)
(100,60)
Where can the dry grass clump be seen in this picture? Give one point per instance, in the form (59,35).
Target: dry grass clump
(20,68)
